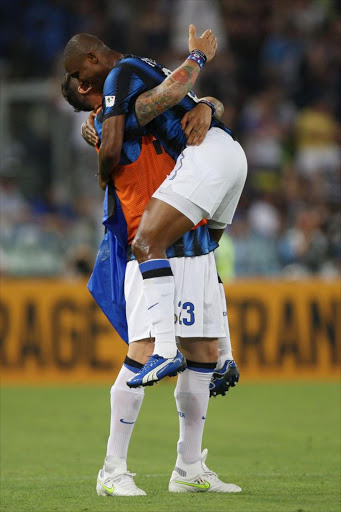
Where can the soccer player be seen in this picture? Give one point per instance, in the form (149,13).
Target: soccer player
(127,402)
(197,120)
(206,182)
(84,98)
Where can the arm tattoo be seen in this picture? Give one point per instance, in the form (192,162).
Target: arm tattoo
(169,93)
(218,106)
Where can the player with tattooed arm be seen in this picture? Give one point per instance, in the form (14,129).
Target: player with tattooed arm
(204,323)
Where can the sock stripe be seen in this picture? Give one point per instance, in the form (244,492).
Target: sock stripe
(159,272)
(201,367)
(132,365)
(153,265)
(195,364)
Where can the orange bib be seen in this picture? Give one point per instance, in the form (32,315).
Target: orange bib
(136,183)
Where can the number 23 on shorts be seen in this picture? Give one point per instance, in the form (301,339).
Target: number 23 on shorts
(186,315)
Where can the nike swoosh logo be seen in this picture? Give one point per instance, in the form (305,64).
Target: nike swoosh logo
(204,486)
(110,490)
(203,417)
(127,422)
(156,303)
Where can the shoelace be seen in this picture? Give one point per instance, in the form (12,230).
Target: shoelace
(149,365)
(155,359)
(208,473)
(121,478)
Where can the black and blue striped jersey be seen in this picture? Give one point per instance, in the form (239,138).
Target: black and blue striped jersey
(131,147)
(195,242)
(132,76)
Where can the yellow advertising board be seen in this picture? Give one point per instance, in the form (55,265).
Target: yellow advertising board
(51,331)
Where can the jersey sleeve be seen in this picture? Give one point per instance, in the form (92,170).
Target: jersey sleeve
(120,90)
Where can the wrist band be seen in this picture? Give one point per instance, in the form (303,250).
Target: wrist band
(199,57)
(210,104)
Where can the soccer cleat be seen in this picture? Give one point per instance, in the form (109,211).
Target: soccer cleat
(156,368)
(115,480)
(225,377)
(198,479)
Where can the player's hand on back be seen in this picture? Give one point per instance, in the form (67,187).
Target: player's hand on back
(88,131)
(196,123)
(207,42)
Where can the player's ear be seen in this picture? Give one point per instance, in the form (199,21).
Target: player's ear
(92,58)
(84,88)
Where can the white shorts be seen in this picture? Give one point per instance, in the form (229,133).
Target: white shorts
(197,302)
(207,180)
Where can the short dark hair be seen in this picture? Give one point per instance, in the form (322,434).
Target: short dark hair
(81,44)
(72,96)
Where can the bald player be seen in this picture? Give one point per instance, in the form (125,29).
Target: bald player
(209,185)
(196,380)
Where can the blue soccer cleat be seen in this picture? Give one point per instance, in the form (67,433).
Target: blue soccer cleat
(224,378)
(156,368)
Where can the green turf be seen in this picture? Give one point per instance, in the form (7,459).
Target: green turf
(280,442)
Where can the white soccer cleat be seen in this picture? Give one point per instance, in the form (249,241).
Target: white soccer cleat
(198,478)
(114,480)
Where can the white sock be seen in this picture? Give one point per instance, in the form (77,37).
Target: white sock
(125,407)
(191,397)
(224,344)
(158,289)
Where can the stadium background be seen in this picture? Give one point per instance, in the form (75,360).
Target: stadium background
(277,73)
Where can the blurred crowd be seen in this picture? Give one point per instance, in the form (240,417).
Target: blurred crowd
(277,72)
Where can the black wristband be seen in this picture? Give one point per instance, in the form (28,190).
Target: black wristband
(210,104)
(199,57)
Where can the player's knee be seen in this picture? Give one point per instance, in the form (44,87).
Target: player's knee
(209,354)
(212,352)
(204,349)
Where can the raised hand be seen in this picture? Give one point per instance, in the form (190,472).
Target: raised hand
(207,43)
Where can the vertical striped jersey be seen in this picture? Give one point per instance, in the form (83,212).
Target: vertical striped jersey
(132,76)
(142,151)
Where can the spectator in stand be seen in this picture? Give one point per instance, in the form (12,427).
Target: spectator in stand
(318,137)
(13,205)
(277,63)
(282,51)
(319,72)
(264,260)
(265,125)
(304,247)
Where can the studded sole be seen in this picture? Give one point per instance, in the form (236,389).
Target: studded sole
(231,379)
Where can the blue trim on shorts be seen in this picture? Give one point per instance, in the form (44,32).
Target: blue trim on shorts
(181,157)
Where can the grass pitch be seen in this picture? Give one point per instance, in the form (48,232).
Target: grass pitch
(279,442)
